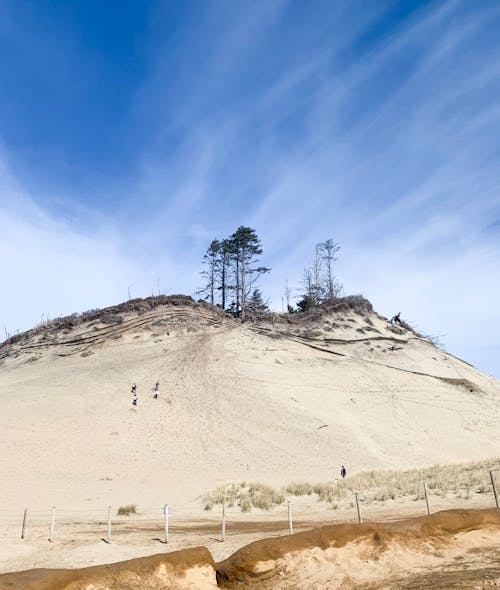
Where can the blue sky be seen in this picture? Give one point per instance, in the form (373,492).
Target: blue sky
(132,133)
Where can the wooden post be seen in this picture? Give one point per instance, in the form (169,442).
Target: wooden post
(360,520)
(426,492)
(108,538)
(165,515)
(24,522)
(52,524)
(223,521)
(492,476)
(290,523)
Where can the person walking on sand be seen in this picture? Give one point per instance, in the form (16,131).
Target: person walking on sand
(343,472)
(134,399)
(396,319)
(156,390)
(134,388)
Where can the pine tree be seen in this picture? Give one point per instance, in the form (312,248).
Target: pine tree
(244,252)
(256,303)
(305,303)
(231,265)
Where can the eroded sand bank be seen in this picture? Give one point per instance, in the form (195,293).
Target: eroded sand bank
(449,549)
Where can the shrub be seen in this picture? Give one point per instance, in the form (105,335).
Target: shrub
(262,501)
(245,503)
(127,510)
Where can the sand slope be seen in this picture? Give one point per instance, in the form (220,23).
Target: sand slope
(273,399)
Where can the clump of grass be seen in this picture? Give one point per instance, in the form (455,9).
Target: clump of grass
(127,510)
(245,495)
(324,491)
(302,488)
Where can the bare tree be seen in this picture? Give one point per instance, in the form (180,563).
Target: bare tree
(319,282)
(317,276)
(212,264)
(288,295)
(328,251)
(223,281)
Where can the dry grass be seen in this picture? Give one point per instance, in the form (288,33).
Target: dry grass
(458,480)
(246,496)
(302,488)
(127,510)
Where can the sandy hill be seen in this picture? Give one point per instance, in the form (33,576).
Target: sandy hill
(275,398)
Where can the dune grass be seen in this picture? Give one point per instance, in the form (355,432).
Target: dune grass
(460,480)
(127,510)
(246,496)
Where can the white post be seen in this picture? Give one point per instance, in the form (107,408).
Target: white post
(427,498)
(25,515)
(165,514)
(52,524)
(223,521)
(108,538)
(360,520)
(290,523)
(492,476)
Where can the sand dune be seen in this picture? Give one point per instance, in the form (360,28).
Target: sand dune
(275,399)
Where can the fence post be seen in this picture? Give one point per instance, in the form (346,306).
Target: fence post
(492,476)
(426,492)
(165,515)
(360,520)
(223,521)
(290,523)
(108,538)
(25,515)
(52,524)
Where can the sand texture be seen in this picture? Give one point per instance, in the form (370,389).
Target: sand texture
(451,549)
